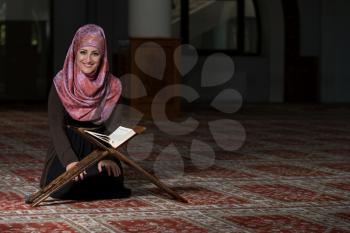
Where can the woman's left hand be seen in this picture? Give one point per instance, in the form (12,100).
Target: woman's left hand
(111,167)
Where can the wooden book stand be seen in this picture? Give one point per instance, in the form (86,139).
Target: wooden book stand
(95,156)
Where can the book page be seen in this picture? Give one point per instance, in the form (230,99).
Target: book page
(115,139)
(102,137)
(120,135)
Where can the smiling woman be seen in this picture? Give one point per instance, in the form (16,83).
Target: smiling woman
(83,94)
(88,59)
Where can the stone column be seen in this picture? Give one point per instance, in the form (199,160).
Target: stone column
(150,18)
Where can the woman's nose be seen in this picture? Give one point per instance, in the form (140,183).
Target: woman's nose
(88,58)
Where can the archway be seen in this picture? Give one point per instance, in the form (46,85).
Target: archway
(301,72)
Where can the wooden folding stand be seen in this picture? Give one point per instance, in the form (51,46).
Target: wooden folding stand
(95,156)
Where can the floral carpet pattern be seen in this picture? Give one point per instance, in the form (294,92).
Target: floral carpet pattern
(292,174)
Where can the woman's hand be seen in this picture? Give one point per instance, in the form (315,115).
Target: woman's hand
(111,167)
(81,175)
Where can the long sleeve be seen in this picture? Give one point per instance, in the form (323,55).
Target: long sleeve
(57,129)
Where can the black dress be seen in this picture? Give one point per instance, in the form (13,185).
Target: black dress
(95,185)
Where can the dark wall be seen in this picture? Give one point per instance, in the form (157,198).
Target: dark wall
(323,34)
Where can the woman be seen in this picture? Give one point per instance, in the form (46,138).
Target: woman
(83,94)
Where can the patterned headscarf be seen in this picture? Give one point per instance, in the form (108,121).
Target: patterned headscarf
(87,97)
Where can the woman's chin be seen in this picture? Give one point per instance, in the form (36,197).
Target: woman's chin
(90,74)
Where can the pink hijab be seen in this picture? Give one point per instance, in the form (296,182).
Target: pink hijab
(87,97)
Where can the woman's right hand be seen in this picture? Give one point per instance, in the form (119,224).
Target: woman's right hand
(81,175)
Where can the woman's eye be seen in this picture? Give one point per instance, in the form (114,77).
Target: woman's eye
(82,52)
(96,54)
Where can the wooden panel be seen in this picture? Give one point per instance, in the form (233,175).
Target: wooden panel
(147,57)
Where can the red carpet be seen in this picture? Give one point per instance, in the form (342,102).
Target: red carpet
(292,174)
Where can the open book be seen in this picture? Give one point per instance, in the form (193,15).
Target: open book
(115,139)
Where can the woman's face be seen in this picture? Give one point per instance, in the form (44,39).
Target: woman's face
(88,59)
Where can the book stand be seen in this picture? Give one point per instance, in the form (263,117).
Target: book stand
(95,156)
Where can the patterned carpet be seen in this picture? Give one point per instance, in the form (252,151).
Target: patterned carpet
(292,174)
